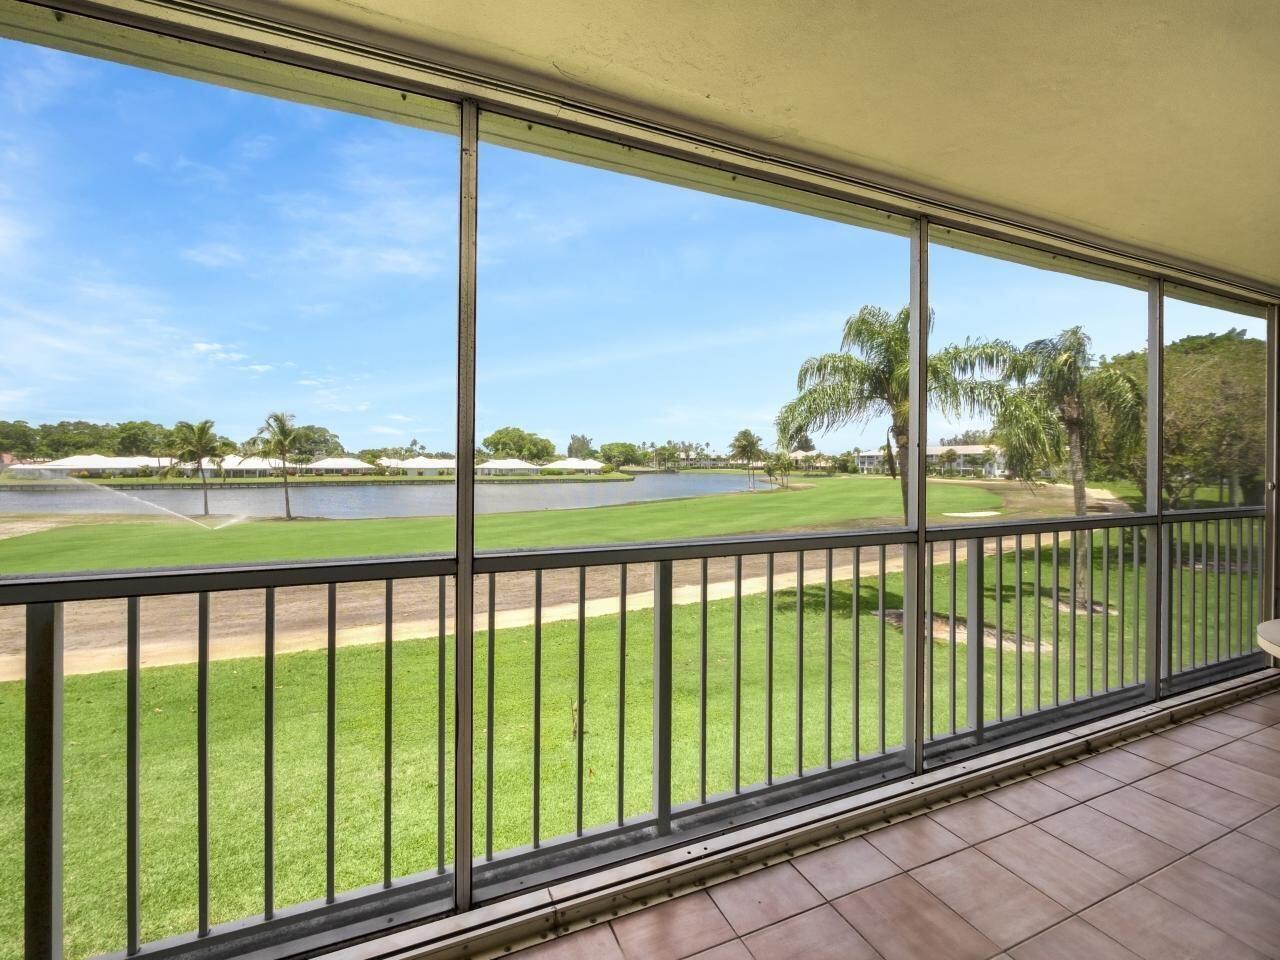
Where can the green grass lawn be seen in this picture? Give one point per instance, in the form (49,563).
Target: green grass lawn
(94,760)
(831,503)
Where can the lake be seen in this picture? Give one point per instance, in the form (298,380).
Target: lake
(353,501)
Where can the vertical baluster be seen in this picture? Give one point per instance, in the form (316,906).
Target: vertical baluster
(826,662)
(768,669)
(976,638)
(42,879)
(999,628)
(440,724)
(927,641)
(537,712)
(269,755)
(856,671)
(1072,622)
(331,742)
(488,717)
(1057,619)
(880,666)
(1122,662)
(202,763)
(1039,615)
(951,635)
(1088,599)
(1137,606)
(133,665)
(662,695)
(737,674)
(1106,608)
(1242,635)
(1177,575)
(582,696)
(387,707)
(799,663)
(1227,578)
(622,692)
(702,680)
(1017,606)
(1204,598)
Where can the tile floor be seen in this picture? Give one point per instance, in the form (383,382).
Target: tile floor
(1163,848)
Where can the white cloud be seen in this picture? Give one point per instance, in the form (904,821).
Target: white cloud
(214,254)
(40,78)
(401,417)
(258,147)
(257,368)
(387,431)
(201,346)
(12,234)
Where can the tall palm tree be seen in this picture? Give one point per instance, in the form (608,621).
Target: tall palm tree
(195,443)
(1056,391)
(278,438)
(746,446)
(870,377)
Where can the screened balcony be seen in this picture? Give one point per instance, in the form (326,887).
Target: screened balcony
(723,654)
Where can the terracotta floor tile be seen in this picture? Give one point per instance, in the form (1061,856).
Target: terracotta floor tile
(593,943)
(1078,781)
(1269,737)
(1257,712)
(1227,902)
(1156,929)
(1251,755)
(1193,736)
(1159,818)
(672,929)
(1118,845)
(1054,867)
(904,921)
(1270,700)
(845,867)
(1122,765)
(1072,940)
(976,819)
(1219,805)
(820,934)
(1246,859)
(733,950)
(1266,829)
(763,897)
(1231,776)
(1227,724)
(1161,750)
(915,841)
(995,901)
(1030,799)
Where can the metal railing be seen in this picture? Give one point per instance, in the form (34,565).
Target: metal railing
(630,698)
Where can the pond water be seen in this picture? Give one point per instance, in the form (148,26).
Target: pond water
(354,501)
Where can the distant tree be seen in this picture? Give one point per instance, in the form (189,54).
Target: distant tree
(195,443)
(278,438)
(68,437)
(967,438)
(803,443)
(947,459)
(513,442)
(19,438)
(778,466)
(137,438)
(621,454)
(580,447)
(745,448)
(316,443)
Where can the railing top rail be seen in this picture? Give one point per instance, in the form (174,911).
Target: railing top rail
(55,588)
(1009,528)
(1213,513)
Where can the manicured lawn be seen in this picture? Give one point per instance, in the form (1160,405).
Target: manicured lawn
(94,760)
(831,503)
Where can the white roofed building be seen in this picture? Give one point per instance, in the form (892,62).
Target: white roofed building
(575,465)
(506,467)
(337,465)
(428,466)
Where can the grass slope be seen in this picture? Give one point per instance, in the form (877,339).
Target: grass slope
(831,503)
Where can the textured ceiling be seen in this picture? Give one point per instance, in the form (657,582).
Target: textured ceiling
(1153,123)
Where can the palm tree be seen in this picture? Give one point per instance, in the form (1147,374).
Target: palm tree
(278,438)
(195,443)
(870,377)
(1049,412)
(745,447)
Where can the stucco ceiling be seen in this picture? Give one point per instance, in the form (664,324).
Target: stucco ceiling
(1153,123)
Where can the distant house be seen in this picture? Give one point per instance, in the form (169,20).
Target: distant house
(968,462)
(234,465)
(506,467)
(575,465)
(96,465)
(339,466)
(428,466)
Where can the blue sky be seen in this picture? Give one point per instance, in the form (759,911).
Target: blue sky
(174,250)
